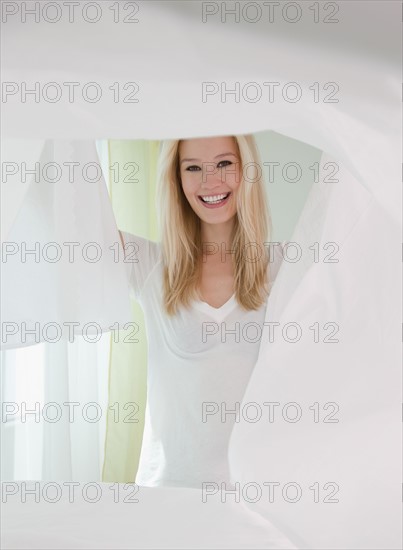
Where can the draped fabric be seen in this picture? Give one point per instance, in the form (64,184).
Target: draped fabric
(54,400)
(358,58)
(330,381)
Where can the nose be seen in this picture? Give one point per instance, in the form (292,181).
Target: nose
(211,177)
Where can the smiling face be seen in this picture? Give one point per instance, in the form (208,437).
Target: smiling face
(210,170)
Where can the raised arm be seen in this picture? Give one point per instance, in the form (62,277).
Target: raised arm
(141,256)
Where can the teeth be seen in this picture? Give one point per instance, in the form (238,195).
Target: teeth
(214,198)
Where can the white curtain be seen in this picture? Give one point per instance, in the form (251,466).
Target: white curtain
(54,410)
(54,395)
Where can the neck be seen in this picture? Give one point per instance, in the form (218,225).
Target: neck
(216,237)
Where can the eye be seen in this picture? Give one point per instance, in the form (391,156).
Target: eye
(193,168)
(228,162)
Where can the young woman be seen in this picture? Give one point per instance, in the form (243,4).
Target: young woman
(203,291)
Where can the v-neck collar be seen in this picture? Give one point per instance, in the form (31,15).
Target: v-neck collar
(217,313)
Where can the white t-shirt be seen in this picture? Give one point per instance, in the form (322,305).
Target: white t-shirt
(199,364)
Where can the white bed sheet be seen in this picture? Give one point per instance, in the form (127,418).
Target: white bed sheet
(163,517)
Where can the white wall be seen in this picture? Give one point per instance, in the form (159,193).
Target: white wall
(286,198)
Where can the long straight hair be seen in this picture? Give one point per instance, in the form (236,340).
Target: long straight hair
(180,230)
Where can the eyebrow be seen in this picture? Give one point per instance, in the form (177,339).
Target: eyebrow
(216,157)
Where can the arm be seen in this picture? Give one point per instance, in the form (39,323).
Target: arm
(141,255)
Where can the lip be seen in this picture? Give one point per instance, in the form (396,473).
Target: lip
(219,205)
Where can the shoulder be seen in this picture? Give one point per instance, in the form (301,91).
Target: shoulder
(141,257)
(140,247)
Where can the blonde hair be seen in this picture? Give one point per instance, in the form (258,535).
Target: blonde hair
(180,230)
